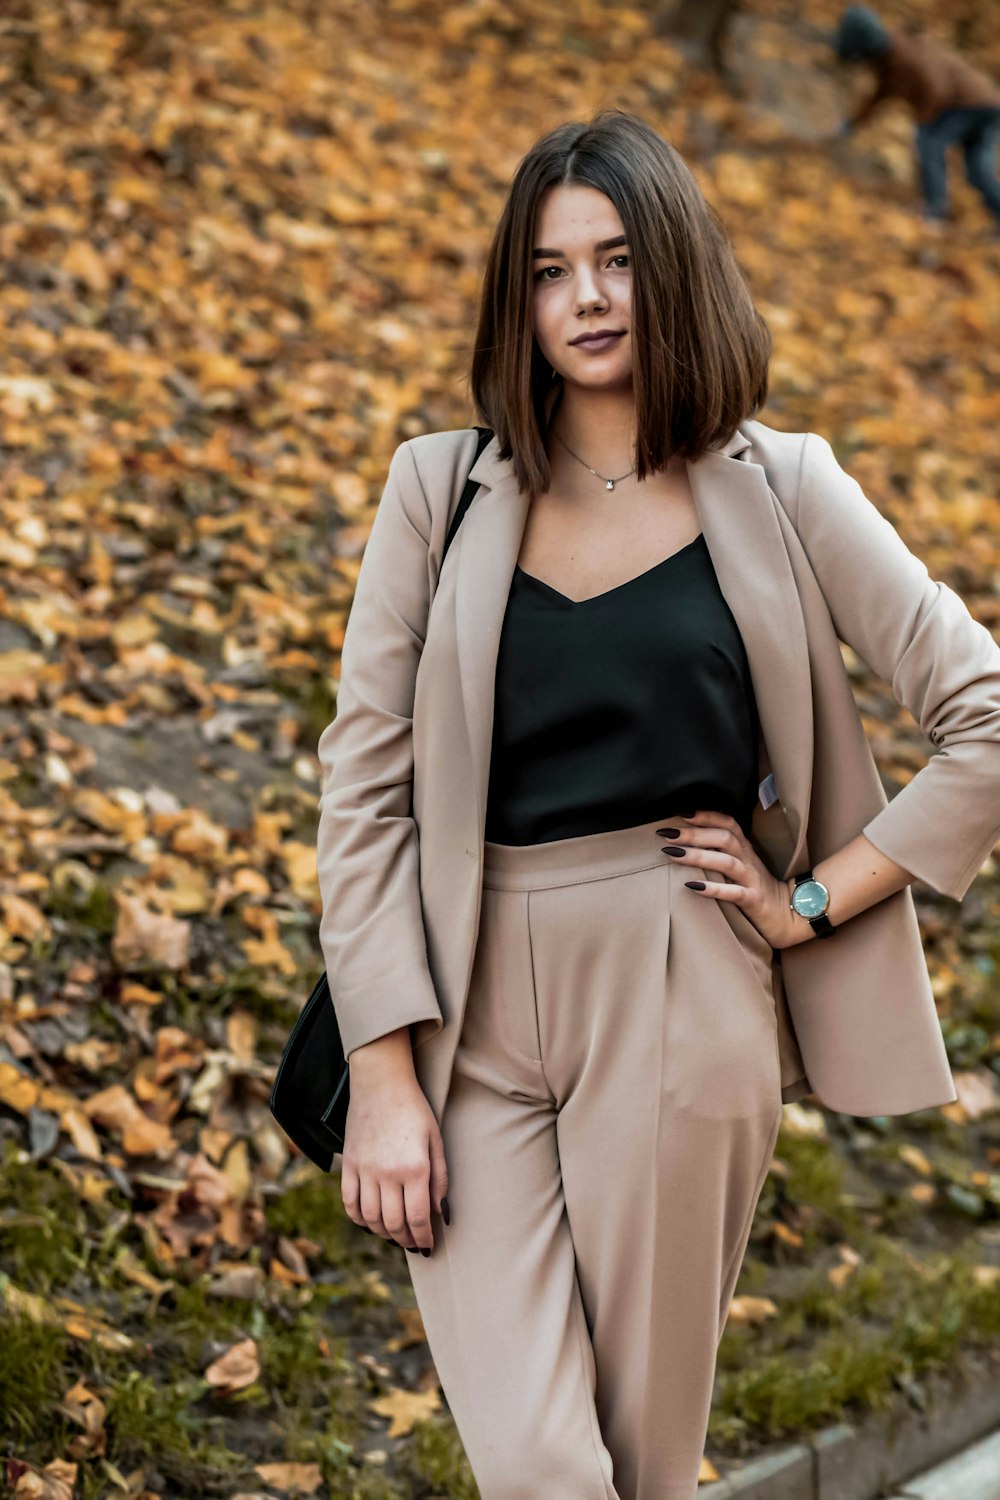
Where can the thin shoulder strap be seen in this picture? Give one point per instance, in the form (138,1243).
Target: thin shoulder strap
(470,491)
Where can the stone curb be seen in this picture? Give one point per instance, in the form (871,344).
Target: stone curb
(975,1471)
(879,1453)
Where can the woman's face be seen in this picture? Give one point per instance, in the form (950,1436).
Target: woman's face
(582,283)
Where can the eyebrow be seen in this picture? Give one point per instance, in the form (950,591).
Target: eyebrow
(619,239)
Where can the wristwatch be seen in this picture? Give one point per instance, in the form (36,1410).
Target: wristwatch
(811,899)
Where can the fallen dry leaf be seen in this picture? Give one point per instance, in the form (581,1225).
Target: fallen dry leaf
(55,1482)
(413,1331)
(752,1310)
(144,936)
(404,1408)
(291,1478)
(236,1281)
(236,1369)
(88,1411)
(978,1093)
(116,1109)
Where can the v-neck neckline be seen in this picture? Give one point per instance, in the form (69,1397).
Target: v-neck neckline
(616,588)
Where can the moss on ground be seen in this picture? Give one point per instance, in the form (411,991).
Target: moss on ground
(93,912)
(842,1348)
(32,1380)
(315,1208)
(42,1224)
(437,1456)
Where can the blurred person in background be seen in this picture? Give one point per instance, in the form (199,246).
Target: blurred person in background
(952,101)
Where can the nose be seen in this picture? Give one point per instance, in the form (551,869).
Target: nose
(589,295)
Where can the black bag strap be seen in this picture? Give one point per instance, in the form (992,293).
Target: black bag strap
(470,491)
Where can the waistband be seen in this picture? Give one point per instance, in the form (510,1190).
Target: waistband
(589,856)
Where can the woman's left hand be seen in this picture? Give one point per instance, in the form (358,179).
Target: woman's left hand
(715,841)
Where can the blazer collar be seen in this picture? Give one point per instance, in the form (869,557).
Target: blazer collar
(739,517)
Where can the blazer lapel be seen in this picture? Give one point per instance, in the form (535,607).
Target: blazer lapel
(737,514)
(487,543)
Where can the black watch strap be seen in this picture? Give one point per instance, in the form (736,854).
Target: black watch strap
(821,925)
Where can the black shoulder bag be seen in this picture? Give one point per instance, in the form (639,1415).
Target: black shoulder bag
(311,1089)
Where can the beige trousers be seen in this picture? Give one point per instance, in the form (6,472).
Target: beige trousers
(614,1105)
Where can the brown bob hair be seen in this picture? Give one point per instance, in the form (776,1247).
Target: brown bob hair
(700,347)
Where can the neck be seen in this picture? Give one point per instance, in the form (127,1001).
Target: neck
(597,425)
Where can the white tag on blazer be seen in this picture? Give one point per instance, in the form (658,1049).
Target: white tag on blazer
(766,791)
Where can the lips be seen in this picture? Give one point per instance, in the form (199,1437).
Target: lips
(605,336)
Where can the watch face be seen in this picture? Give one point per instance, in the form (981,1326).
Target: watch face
(811,898)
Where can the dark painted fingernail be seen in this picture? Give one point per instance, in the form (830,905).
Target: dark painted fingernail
(673,849)
(669,833)
(445,1211)
(424,1252)
(696,885)
(410,1249)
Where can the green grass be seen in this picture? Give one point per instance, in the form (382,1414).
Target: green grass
(438,1457)
(42,1224)
(33,1378)
(93,913)
(832,1352)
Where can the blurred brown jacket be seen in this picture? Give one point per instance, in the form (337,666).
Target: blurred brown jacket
(929,76)
(805,562)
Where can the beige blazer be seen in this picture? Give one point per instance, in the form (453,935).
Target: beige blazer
(804,561)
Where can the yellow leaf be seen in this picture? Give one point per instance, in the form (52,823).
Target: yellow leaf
(236,1169)
(923,1193)
(82,261)
(915,1158)
(293,1478)
(19,674)
(116,1109)
(80,1326)
(135,629)
(838,1276)
(84,1408)
(133,1270)
(17,1090)
(108,813)
(133,993)
(55,1482)
(413,1331)
(80,1131)
(300,862)
(404,1408)
(752,1310)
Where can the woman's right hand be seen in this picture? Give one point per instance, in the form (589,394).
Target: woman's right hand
(394,1172)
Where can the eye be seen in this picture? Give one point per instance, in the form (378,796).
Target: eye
(622,255)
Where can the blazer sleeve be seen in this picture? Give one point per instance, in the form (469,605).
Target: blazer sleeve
(943,666)
(371,930)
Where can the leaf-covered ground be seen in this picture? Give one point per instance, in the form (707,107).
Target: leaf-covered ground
(241,248)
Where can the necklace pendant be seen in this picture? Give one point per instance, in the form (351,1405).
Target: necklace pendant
(609,484)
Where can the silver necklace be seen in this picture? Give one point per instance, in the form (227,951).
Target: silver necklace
(608,483)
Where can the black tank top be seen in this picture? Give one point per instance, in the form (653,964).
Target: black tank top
(618,709)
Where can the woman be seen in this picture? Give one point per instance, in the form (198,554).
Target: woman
(608,871)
